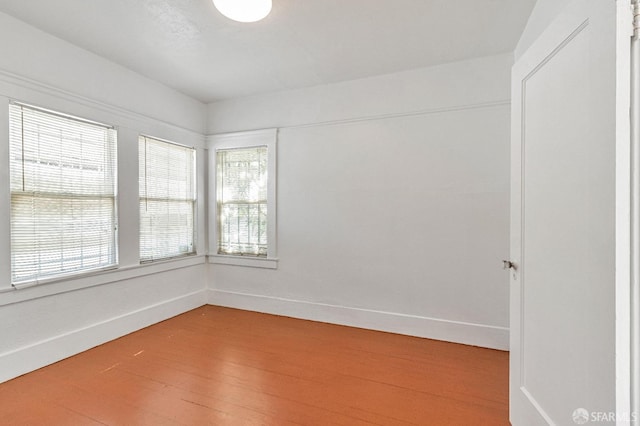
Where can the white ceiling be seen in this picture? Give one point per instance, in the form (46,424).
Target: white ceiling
(188,45)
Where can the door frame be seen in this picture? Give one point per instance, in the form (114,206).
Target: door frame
(624,201)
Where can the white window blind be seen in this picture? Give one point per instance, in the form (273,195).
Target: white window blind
(242,201)
(63,199)
(167,199)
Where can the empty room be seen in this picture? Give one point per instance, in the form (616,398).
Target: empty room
(318,212)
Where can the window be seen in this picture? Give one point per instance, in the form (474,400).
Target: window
(63,194)
(167,199)
(244,191)
(242,201)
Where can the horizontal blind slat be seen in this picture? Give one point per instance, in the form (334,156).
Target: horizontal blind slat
(167,199)
(62,194)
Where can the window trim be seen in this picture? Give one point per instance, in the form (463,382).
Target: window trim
(249,139)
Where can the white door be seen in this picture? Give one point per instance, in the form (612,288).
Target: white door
(565,220)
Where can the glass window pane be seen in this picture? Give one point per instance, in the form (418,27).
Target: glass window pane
(242,201)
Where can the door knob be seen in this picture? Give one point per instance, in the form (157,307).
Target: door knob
(507,264)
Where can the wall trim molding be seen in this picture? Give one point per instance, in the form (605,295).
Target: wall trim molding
(415,113)
(47,89)
(37,355)
(432,328)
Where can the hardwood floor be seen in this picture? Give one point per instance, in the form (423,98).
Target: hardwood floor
(219,366)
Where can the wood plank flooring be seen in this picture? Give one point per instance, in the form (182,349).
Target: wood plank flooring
(220,366)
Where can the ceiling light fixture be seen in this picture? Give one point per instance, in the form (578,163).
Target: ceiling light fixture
(244,10)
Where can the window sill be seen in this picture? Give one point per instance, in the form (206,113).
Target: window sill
(71,283)
(251,262)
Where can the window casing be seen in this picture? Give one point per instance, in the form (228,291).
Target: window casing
(243,182)
(63,194)
(167,199)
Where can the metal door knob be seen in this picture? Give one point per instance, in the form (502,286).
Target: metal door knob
(507,264)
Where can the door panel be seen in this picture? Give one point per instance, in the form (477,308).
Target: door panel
(563,219)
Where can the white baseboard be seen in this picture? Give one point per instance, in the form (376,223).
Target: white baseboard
(431,328)
(28,358)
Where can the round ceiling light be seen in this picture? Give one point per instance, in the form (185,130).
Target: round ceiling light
(244,10)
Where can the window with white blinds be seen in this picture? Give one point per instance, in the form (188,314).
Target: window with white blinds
(63,194)
(167,199)
(242,201)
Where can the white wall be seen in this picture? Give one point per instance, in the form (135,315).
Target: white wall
(30,54)
(43,324)
(393,203)
(543,13)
